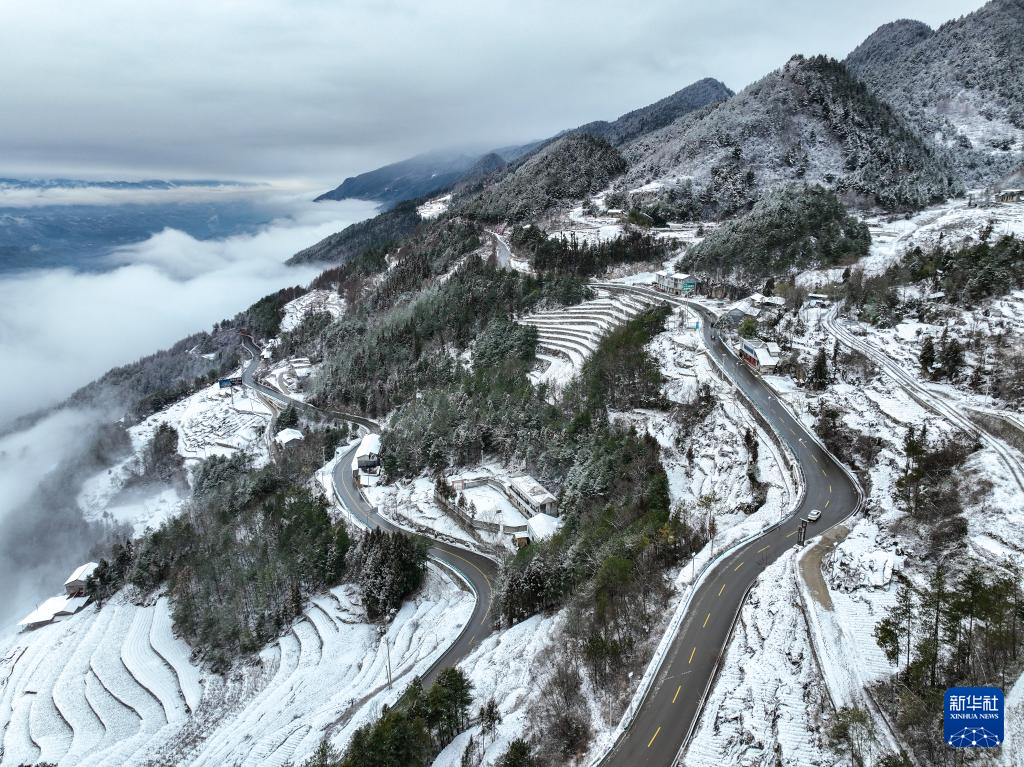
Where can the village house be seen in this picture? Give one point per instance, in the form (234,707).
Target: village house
(676,283)
(1010,195)
(70,602)
(286,436)
(74,586)
(758,355)
(818,300)
(366,461)
(530,496)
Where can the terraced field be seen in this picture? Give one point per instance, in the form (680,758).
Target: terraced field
(566,337)
(96,688)
(114,686)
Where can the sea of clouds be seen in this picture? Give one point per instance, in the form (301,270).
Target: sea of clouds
(60,329)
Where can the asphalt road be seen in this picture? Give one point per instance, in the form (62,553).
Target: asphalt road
(477,571)
(669,712)
(952,412)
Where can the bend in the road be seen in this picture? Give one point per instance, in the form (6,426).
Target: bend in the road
(475,570)
(666,718)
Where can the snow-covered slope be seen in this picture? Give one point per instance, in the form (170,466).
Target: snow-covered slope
(114,686)
(809,121)
(959,85)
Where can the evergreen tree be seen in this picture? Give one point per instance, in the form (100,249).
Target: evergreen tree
(927,356)
(518,754)
(819,371)
(952,358)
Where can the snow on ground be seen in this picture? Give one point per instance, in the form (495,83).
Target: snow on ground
(857,587)
(115,686)
(947,224)
(567,337)
(103,686)
(411,505)
(210,422)
(289,376)
(296,310)
(713,462)
(435,207)
(510,667)
(768,705)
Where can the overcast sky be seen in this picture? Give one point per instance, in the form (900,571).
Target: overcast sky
(316,89)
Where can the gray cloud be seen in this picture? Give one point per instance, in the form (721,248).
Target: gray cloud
(276,89)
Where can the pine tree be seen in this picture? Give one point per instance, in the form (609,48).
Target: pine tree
(952,358)
(518,754)
(819,371)
(927,356)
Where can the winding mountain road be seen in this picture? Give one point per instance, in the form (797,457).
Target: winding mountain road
(921,394)
(476,571)
(668,714)
(671,707)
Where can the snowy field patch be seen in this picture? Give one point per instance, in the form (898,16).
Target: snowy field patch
(296,310)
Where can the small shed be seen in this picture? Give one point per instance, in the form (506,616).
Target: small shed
(287,436)
(74,586)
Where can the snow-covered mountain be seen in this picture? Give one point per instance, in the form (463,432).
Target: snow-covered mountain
(659,114)
(566,170)
(432,172)
(960,85)
(811,121)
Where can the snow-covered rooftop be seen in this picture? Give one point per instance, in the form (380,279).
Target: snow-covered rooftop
(81,573)
(51,608)
(287,435)
(532,489)
(370,445)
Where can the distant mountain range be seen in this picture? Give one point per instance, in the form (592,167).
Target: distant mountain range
(419,176)
(911,117)
(429,173)
(79,183)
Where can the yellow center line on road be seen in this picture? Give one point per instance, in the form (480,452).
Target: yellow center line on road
(827,502)
(680,687)
(651,741)
(763,548)
(692,653)
(830,487)
(823,473)
(706,619)
(790,535)
(814,458)
(721,590)
(738,566)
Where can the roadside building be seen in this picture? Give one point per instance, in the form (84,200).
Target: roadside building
(1010,195)
(530,496)
(540,527)
(769,303)
(366,461)
(676,283)
(758,356)
(74,586)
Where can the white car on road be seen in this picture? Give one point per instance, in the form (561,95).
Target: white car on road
(814,516)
